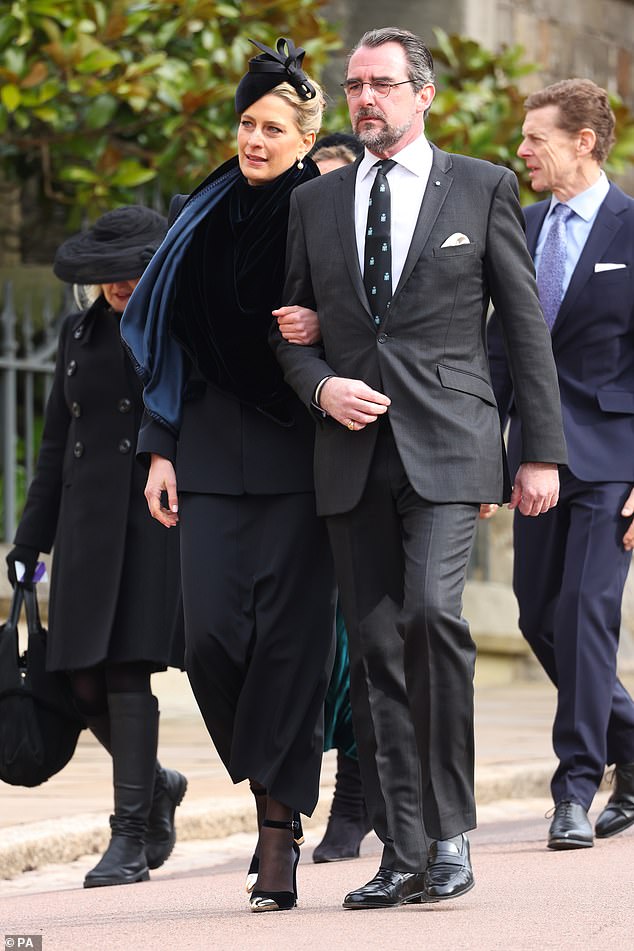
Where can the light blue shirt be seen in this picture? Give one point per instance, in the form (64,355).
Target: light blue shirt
(586,207)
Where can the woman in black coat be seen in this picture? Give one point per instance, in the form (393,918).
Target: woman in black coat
(115,600)
(258,583)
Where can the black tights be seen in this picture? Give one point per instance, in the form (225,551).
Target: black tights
(92,685)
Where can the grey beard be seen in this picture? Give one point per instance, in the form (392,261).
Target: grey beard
(381,139)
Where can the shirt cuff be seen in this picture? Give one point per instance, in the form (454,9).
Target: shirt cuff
(317,394)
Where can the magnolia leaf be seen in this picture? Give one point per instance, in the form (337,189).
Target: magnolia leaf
(10,96)
(77,173)
(46,114)
(130,174)
(100,111)
(35,76)
(100,60)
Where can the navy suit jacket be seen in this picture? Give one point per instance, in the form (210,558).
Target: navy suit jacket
(593,345)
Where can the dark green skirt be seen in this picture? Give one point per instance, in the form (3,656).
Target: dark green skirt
(338,732)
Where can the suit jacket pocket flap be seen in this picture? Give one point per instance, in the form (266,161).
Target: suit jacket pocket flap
(452,250)
(616,401)
(466,382)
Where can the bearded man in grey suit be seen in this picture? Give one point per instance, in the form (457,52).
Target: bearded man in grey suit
(408,440)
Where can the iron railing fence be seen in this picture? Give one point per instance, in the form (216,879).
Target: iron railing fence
(28,343)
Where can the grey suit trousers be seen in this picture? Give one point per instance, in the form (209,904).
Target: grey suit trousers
(401,564)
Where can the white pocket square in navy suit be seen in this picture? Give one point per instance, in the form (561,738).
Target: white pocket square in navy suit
(600,266)
(456,238)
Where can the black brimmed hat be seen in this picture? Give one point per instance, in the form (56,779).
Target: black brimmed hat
(117,247)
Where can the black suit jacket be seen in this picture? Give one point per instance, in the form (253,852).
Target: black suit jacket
(429,355)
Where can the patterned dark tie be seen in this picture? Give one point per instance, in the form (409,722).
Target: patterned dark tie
(552,264)
(377,256)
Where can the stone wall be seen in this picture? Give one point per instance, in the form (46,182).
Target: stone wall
(593,38)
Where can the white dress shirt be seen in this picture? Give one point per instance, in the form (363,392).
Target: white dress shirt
(408,181)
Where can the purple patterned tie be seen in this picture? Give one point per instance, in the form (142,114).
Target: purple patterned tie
(552,264)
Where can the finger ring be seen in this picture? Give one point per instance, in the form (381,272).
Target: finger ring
(351,425)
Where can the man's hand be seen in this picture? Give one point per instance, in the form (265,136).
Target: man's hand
(352,403)
(162,478)
(536,488)
(627,511)
(298,325)
(488,509)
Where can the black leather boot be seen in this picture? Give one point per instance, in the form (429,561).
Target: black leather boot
(348,823)
(133,740)
(169,789)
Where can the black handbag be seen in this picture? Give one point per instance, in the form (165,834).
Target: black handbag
(39,723)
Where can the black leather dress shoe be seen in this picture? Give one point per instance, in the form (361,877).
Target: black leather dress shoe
(449,873)
(618,814)
(570,828)
(388,889)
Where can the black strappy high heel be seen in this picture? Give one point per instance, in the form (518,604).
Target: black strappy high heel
(279,901)
(254,865)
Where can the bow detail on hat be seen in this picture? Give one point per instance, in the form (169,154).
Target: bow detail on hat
(290,58)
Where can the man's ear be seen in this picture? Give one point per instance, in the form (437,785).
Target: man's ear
(586,141)
(425,97)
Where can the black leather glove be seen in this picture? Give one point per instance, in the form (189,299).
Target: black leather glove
(28,556)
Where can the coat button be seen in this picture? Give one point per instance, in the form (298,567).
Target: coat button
(125,445)
(78,332)
(124,405)
(71,368)
(76,410)
(78,450)
(382,338)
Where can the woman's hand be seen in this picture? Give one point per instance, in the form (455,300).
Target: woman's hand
(298,325)
(162,478)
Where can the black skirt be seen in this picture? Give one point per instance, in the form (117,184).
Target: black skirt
(259,601)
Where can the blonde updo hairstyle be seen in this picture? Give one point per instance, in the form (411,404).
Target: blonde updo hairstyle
(308,112)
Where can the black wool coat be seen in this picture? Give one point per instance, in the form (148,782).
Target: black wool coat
(115,586)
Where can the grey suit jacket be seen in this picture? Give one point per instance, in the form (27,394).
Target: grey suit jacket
(429,355)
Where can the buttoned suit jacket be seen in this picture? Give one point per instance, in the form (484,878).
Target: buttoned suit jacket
(429,354)
(593,345)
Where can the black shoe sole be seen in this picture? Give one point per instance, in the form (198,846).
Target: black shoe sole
(323,859)
(417,899)
(143,876)
(566,845)
(457,894)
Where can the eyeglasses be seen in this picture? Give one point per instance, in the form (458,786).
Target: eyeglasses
(353,88)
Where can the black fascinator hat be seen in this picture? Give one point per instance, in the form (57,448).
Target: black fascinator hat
(271,68)
(117,247)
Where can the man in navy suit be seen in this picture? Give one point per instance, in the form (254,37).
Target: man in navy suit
(571,564)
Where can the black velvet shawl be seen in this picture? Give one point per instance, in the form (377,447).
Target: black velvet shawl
(229,282)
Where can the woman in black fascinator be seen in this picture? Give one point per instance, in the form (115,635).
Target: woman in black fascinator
(232,446)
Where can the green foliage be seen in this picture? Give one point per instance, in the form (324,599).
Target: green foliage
(98,97)
(479,111)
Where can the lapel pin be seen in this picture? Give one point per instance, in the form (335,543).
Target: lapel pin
(436,183)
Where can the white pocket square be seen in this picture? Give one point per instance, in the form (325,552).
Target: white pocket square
(600,266)
(457,238)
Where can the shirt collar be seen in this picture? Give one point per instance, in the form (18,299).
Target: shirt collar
(416,157)
(587,203)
